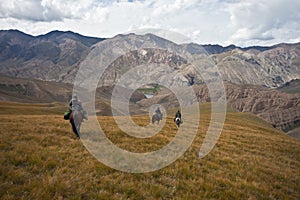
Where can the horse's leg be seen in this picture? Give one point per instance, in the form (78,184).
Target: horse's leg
(78,123)
(74,128)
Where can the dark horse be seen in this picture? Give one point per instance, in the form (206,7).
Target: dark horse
(76,118)
(177,121)
(156,117)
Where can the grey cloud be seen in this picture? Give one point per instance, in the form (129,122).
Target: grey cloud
(264,36)
(32,10)
(29,10)
(264,20)
(48,11)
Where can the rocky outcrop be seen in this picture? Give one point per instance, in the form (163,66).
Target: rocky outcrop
(271,68)
(157,65)
(280,109)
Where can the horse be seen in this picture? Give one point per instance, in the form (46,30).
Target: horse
(76,118)
(178,121)
(156,117)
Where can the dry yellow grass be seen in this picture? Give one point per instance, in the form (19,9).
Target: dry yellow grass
(42,159)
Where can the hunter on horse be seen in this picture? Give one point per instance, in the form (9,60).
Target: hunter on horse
(76,114)
(157,116)
(178,119)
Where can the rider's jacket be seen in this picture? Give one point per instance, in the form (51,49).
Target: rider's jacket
(75,105)
(158,112)
(178,114)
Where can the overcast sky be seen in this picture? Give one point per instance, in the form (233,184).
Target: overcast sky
(224,22)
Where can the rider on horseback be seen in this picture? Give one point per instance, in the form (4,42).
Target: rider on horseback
(75,104)
(178,115)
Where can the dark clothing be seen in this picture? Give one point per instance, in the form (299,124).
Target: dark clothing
(178,114)
(75,105)
(158,112)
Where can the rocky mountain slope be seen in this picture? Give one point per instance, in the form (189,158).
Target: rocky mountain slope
(156,64)
(57,55)
(45,57)
(279,109)
(272,67)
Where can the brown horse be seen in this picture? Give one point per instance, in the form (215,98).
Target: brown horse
(156,117)
(76,118)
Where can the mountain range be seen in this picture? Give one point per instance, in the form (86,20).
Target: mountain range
(45,57)
(56,56)
(257,79)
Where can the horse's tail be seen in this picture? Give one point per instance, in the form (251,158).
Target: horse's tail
(178,121)
(153,119)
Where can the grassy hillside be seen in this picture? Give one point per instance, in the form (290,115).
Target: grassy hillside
(14,108)
(42,159)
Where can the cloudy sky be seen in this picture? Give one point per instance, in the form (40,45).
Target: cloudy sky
(224,22)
